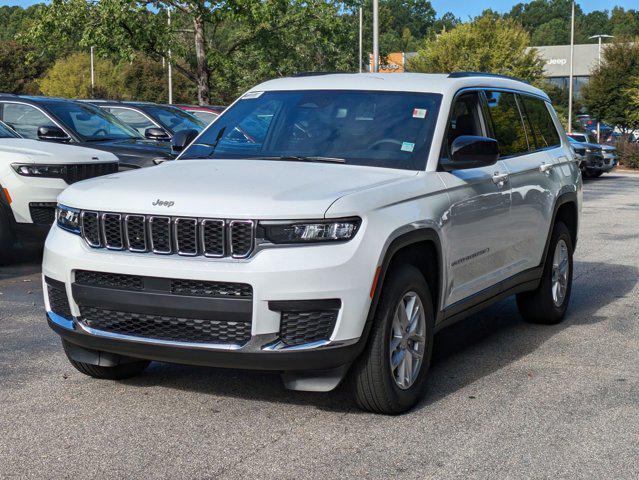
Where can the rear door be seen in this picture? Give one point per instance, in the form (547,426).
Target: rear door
(518,123)
(477,227)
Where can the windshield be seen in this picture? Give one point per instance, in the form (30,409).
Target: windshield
(381,129)
(6,132)
(174,119)
(91,123)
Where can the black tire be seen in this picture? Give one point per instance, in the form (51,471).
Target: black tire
(118,372)
(538,305)
(7,238)
(598,174)
(375,387)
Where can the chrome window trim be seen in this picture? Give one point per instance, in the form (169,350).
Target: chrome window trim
(203,224)
(126,233)
(83,213)
(103,225)
(153,249)
(251,223)
(176,222)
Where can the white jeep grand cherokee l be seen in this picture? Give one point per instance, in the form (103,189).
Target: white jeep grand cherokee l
(323,227)
(32,175)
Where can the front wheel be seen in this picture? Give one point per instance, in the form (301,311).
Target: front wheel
(390,375)
(548,303)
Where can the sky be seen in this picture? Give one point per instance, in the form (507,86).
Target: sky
(461,8)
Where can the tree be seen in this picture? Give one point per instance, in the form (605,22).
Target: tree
(70,77)
(17,75)
(608,97)
(146,80)
(487,44)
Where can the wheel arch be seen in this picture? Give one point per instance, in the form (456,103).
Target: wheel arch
(566,210)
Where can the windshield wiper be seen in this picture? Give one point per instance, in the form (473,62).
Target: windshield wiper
(302,158)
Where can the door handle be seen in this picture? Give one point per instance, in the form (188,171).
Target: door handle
(546,167)
(500,178)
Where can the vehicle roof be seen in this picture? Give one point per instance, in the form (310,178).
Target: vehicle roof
(202,108)
(445,84)
(39,99)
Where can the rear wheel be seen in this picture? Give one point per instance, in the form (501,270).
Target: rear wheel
(7,239)
(117,372)
(548,303)
(390,375)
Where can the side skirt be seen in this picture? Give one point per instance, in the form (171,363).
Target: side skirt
(522,282)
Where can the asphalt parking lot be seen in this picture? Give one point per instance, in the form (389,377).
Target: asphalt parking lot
(506,399)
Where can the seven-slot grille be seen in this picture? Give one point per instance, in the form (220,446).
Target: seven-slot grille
(185,236)
(82,171)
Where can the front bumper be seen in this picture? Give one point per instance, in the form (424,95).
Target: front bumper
(278,275)
(29,192)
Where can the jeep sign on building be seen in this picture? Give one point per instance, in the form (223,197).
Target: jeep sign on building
(557,63)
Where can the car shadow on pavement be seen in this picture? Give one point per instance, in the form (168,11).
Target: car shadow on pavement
(465,352)
(27,260)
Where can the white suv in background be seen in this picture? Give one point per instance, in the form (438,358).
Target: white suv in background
(32,174)
(323,227)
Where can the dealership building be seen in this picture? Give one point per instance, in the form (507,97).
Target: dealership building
(556,63)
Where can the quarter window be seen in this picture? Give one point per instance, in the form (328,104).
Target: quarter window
(541,123)
(25,119)
(508,126)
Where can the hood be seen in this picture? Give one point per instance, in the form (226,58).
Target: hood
(21,150)
(253,189)
(137,152)
(608,148)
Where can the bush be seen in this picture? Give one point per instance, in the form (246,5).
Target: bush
(628,154)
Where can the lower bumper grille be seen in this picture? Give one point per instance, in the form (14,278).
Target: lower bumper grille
(58,300)
(165,328)
(305,327)
(42,213)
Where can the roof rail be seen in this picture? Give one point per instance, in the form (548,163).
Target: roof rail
(311,74)
(483,74)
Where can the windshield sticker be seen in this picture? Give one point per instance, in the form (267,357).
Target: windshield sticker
(419,112)
(250,95)
(408,147)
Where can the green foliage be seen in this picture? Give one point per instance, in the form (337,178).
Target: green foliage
(146,80)
(628,153)
(71,77)
(608,97)
(487,44)
(17,75)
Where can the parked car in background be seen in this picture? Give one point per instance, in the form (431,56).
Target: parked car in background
(599,158)
(77,123)
(206,113)
(152,120)
(32,174)
(364,213)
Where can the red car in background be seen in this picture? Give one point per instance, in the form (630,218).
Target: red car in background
(206,113)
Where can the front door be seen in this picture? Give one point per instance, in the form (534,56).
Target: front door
(477,224)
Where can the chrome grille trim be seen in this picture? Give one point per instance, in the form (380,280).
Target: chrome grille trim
(176,234)
(127,220)
(105,218)
(165,235)
(232,224)
(85,236)
(154,249)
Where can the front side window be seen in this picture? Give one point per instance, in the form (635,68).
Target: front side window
(380,129)
(465,118)
(25,119)
(206,117)
(174,119)
(132,118)
(91,123)
(7,132)
(541,123)
(508,126)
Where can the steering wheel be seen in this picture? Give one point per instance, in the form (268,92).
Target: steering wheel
(384,140)
(97,132)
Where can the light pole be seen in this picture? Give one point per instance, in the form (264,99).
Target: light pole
(375,36)
(572,52)
(92,76)
(599,37)
(361,28)
(170,68)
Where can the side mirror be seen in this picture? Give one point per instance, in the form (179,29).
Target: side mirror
(470,151)
(182,139)
(155,133)
(52,133)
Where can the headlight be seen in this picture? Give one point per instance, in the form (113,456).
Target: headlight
(34,170)
(592,150)
(319,231)
(68,219)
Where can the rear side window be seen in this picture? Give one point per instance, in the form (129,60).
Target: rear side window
(543,128)
(508,126)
